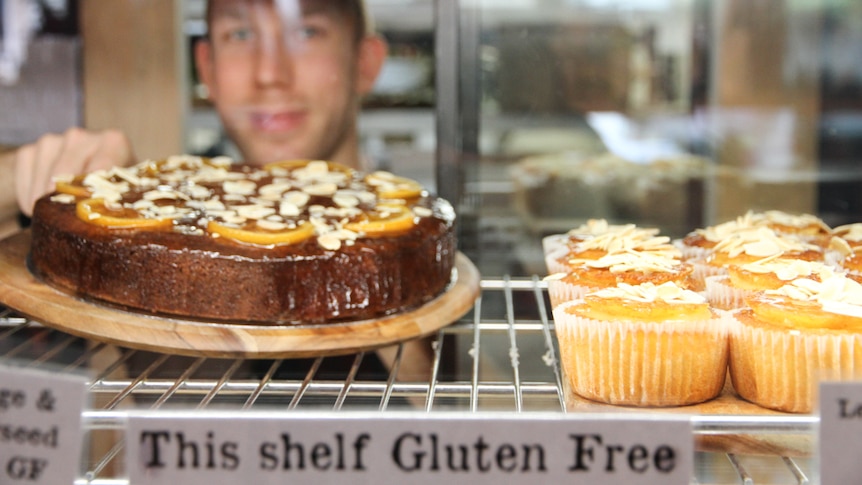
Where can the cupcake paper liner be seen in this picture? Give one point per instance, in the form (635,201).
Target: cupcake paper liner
(643,364)
(553,263)
(691,253)
(721,294)
(560,292)
(703,270)
(780,368)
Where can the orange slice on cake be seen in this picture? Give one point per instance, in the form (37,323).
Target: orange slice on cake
(384,220)
(74,186)
(252,233)
(100,213)
(391,186)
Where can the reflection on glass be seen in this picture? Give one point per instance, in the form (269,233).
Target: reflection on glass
(673,114)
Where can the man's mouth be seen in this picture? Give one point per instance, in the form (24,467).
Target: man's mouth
(281,121)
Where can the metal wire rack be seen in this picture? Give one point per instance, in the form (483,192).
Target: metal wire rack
(501,356)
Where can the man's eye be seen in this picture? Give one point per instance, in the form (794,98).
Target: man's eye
(309,32)
(238,35)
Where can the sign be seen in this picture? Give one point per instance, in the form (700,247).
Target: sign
(40,426)
(840,435)
(269,448)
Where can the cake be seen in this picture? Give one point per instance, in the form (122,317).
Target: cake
(294,242)
(792,337)
(643,345)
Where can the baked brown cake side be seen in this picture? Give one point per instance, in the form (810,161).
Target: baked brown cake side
(198,276)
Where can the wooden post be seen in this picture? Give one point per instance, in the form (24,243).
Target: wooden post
(766,99)
(135,73)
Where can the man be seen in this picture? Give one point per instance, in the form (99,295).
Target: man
(285,86)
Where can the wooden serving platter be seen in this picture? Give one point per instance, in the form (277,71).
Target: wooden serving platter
(24,292)
(727,404)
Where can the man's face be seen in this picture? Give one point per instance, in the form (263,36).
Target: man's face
(285,86)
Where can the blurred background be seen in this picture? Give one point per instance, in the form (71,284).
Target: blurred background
(530,115)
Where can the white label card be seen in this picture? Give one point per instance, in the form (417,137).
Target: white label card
(40,425)
(210,448)
(840,435)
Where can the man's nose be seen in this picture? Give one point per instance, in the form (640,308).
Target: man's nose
(274,61)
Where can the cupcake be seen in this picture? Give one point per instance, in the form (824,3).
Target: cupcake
(644,345)
(805,226)
(742,281)
(845,250)
(594,240)
(658,265)
(588,230)
(700,243)
(752,245)
(794,336)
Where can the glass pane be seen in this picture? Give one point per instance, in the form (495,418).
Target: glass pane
(674,114)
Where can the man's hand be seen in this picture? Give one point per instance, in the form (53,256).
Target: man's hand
(74,152)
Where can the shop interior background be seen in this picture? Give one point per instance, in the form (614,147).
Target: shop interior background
(668,113)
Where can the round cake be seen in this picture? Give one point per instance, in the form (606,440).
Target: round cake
(293,242)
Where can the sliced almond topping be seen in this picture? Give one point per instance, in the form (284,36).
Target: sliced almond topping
(288,209)
(422,211)
(275,188)
(240,187)
(345,200)
(197,192)
(160,195)
(299,199)
(234,198)
(329,241)
(271,225)
(254,211)
(142,204)
(323,189)
(222,162)
(63,198)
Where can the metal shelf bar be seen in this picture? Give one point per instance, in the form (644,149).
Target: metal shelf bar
(475,352)
(25,341)
(513,346)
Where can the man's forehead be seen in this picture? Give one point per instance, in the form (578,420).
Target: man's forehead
(228,7)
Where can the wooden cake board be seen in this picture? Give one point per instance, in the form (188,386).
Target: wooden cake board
(24,292)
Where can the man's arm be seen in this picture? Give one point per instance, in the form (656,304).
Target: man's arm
(8,202)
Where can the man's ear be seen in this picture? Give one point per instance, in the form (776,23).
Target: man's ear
(204,63)
(372,55)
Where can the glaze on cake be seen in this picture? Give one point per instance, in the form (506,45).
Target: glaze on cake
(295,242)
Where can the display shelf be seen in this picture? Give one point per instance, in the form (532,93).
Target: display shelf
(500,357)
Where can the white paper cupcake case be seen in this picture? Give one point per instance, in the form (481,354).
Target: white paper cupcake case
(720,294)
(560,291)
(781,368)
(643,364)
(703,270)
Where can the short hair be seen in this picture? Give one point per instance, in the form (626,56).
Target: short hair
(352,10)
